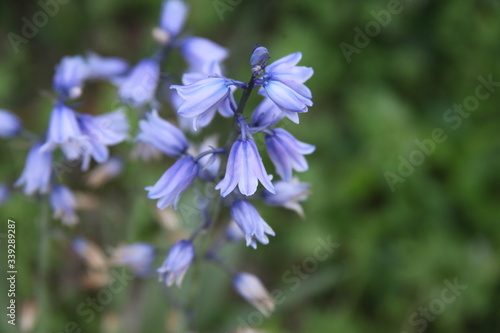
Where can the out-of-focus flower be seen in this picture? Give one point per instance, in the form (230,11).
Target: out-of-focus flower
(98,274)
(245,169)
(283,83)
(250,223)
(162,135)
(176,264)
(69,77)
(139,86)
(99,132)
(63,203)
(105,68)
(138,256)
(286,152)
(29,315)
(173,16)
(288,195)
(37,171)
(10,125)
(198,52)
(251,289)
(105,172)
(63,130)
(174,182)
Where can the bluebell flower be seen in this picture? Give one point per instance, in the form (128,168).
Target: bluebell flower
(286,152)
(288,195)
(176,264)
(251,289)
(37,171)
(266,114)
(63,203)
(198,52)
(202,97)
(4,194)
(174,182)
(138,256)
(245,169)
(69,77)
(99,132)
(105,172)
(105,68)
(283,83)
(173,16)
(63,130)
(10,125)
(250,222)
(145,152)
(162,135)
(139,86)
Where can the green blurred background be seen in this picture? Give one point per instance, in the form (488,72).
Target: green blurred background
(398,245)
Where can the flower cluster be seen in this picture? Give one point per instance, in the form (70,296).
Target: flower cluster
(231,171)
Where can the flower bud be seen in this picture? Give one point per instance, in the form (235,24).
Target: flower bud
(258,60)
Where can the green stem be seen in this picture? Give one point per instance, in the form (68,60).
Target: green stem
(42,288)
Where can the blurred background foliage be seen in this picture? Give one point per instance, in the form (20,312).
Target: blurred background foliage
(396,247)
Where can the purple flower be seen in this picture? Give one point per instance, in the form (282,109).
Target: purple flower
(162,135)
(288,195)
(105,68)
(98,132)
(286,152)
(69,77)
(283,84)
(202,97)
(245,169)
(251,289)
(177,263)
(63,130)
(266,114)
(173,182)
(198,52)
(139,87)
(37,171)
(173,16)
(10,125)
(233,232)
(250,222)
(63,203)
(138,256)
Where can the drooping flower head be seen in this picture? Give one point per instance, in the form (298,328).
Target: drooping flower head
(286,152)
(162,135)
(199,52)
(253,226)
(63,203)
(251,289)
(174,182)
(288,195)
(173,16)
(283,83)
(139,86)
(37,171)
(244,167)
(69,77)
(105,68)
(176,264)
(63,130)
